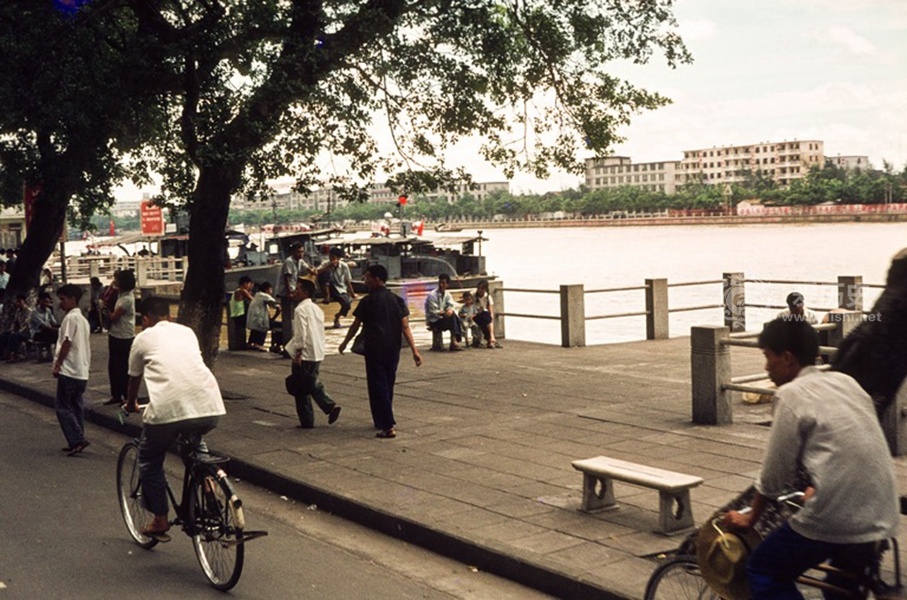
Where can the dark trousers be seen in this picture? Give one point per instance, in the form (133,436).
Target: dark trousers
(287,305)
(381,375)
(70,408)
(118,365)
(451,324)
(45,336)
(257,337)
(776,563)
(343,299)
(313,389)
(156,440)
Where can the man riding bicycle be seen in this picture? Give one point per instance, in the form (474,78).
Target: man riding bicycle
(825,424)
(184,399)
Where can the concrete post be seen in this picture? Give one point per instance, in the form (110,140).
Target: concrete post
(496,289)
(182,277)
(734,301)
(710,368)
(893,423)
(94,268)
(846,322)
(657,309)
(573,316)
(141,273)
(850,292)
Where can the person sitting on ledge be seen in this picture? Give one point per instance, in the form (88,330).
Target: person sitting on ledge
(440,314)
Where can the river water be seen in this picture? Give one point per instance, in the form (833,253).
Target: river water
(610,257)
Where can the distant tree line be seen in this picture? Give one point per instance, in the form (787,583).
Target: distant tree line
(826,184)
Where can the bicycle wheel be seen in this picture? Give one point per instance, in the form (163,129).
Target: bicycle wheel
(129,493)
(217,528)
(678,579)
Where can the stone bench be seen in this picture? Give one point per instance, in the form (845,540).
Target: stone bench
(675,512)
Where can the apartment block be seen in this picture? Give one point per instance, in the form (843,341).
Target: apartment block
(478,190)
(618,171)
(782,161)
(850,163)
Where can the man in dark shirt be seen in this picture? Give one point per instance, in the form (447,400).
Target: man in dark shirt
(385,317)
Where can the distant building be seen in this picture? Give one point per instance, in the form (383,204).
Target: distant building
(478,190)
(12,227)
(782,161)
(127,208)
(850,163)
(619,171)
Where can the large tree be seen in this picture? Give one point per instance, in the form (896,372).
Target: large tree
(73,100)
(273,87)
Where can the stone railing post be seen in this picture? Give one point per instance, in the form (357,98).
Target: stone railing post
(141,272)
(182,276)
(573,316)
(710,368)
(850,292)
(845,322)
(734,301)
(94,268)
(496,289)
(657,309)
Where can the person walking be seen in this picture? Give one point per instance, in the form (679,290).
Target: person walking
(120,337)
(72,360)
(306,348)
(384,317)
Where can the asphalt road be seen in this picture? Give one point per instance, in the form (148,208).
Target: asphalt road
(61,536)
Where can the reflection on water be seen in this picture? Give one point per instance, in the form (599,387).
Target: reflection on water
(609,257)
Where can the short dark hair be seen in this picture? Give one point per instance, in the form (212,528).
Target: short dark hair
(794,299)
(70,290)
(295,245)
(156,307)
(336,251)
(307,286)
(378,272)
(265,285)
(791,335)
(126,280)
(44,296)
(244,280)
(444,277)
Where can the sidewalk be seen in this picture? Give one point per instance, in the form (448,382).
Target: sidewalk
(480,470)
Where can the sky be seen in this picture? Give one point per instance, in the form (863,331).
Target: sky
(774,70)
(763,71)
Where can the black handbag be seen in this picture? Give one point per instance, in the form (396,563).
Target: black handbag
(359,344)
(293,384)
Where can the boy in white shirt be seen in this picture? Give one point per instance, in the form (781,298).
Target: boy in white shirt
(72,359)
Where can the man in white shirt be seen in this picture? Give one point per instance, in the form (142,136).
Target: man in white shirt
(440,313)
(826,425)
(306,348)
(184,399)
(72,358)
(796,310)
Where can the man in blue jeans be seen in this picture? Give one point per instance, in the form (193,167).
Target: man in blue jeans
(184,398)
(825,424)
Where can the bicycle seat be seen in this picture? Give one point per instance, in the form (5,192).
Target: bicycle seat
(209,459)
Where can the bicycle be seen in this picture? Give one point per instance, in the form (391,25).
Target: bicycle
(208,511)
(680,579)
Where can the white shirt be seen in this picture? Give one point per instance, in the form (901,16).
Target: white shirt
(4,280)
(78,360)
(180,385)
(258,318)
(308,332)
(808,315)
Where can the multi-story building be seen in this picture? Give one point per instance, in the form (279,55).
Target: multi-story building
(479,191)
(619,171)
(782,161)
(850,163)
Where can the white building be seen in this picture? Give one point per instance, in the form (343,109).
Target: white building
(850,163)
(618,171)
(782,161)
(478,190)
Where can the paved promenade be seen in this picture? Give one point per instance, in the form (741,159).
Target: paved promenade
(480,469)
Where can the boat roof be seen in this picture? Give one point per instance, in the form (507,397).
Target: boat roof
(305,234)
(414,240)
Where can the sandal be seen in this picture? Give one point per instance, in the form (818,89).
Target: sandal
(386,434)
(161,536)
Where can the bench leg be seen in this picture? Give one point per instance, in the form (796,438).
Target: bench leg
(437,340)
(598,493)
(675,513)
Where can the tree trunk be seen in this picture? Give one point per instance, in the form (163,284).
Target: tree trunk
(47,221)
(202,300)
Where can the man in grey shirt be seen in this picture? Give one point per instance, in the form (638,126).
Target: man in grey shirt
(293,267)
(824,424)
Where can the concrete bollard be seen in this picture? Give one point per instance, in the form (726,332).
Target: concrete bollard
(845,322)
(496,289)
(94,269)
(850,292)
(734,301)
(141,273)
(573,316)
(710,367)
(657,326)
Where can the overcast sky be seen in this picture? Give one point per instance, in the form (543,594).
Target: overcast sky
(774,70)
(766,70)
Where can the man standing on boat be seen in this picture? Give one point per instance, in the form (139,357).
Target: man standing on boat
(441,315)
(293,266)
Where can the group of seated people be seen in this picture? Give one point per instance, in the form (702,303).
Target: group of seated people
(473,318)
(38,325)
